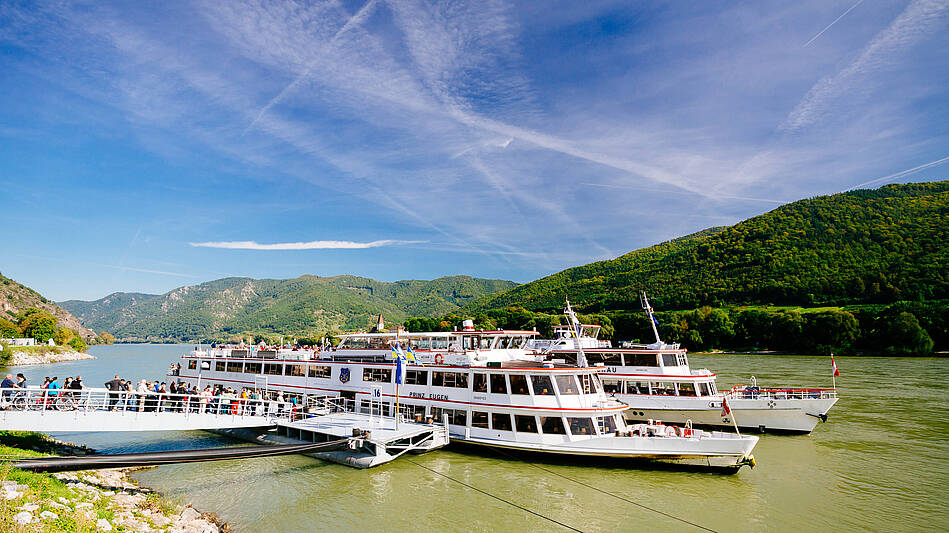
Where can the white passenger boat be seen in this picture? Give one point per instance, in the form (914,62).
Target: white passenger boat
(484,385)
(655,380)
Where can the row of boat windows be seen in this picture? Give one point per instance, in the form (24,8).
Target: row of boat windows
(518,384)
(467,342)
(636,359)
(658,388)
(550,425)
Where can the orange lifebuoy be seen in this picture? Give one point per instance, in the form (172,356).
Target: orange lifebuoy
(439,359)
(670,431)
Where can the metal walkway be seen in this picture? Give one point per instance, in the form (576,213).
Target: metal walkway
(99,410)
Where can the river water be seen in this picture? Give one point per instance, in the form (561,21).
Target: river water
(880,463)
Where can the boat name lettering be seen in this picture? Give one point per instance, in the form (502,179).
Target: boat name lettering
(421,395)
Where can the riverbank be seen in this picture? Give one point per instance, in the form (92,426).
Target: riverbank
(89,500)
(39,355)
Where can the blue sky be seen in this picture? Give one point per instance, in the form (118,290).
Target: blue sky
(149,145)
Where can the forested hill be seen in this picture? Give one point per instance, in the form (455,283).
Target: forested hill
(16,298)
(863,246)
(308,305)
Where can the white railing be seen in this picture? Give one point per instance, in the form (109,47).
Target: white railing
(95,399)
(746,392)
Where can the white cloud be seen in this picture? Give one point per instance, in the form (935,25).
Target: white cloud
(311,245)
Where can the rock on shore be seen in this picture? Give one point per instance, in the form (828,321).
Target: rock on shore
(21,358)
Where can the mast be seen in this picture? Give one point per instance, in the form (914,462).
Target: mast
(652,320)
(575,330)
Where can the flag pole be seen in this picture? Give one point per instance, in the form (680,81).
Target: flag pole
(833,375)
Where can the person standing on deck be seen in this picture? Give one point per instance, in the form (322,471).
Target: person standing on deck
(114,386)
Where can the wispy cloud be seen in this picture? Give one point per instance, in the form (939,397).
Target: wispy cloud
(311,245)
(900,174)
(836,20)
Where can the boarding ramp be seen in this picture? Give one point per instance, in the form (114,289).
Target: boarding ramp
(93,410)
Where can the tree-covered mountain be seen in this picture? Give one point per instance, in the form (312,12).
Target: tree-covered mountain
(308,305)
(16,299)
(862,246)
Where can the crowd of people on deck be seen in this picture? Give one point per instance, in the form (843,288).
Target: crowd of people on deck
(159,396)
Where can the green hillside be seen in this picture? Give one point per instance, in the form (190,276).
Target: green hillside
(307,305)
(17,299)
(859,247)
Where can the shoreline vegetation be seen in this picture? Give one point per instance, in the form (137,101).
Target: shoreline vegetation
(87,500)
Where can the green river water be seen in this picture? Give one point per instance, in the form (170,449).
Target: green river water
(881,463)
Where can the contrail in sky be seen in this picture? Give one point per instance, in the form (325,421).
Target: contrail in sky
(814,38)
(901,173)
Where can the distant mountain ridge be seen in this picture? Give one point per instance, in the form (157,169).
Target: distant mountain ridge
(16,297)
(861,246)
(303,305)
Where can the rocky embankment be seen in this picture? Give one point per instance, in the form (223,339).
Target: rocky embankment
(22,358)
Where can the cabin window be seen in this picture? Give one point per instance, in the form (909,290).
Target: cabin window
(640,359)
(607,358)
(479,419)
(377,374)
(235,366)
(480,383)
(374,408)
(525,423)
(220,366)
(587,384)
(273,370)
(612,386)
(296,370)
(450,379)
(412,412)
(567,384)
(607,424)
(501,421)
(664,389)
(485,343)
(683,361)
(519,384)
(498,384)
(711,385)
(455,416)
(470,342)
(416,377)
(581,426)
(552,425)
(686,389)
(252,368)
(669,359)
(320,371)
(542,385)
(193,364)
(423,344)
(440,343)
(640,387)
(704,389)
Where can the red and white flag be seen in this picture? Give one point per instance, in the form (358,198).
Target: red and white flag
(834,363)
(725,409)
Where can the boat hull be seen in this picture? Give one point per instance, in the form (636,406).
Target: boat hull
(793,415)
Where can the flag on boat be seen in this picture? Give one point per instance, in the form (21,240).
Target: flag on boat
(725,409)
(400,371)
(654,319)
(834,364)
(410,355)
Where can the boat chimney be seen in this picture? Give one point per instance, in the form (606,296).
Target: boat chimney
(468,325)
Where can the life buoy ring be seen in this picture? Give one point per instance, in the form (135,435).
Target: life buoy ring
(670,431)
(439,359)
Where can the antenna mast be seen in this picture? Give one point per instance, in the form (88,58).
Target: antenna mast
(652,319)
(575,330)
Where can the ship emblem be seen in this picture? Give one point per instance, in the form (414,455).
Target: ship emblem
(344,375)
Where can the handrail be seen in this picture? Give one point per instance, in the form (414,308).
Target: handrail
(780,393)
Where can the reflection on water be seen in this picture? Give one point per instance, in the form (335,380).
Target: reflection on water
(879,464)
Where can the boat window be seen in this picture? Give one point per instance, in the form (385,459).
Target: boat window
(450,379)
(440,343)
(320,371)
(711,385)
(607,358)
(607,424)
(542,385)
(525,423)
(193,364)
(485,343)
(552,425)
(501,421)
(374,408)
(581,426)
(519,384)
(612,386)
(567,385)
(479,419)
(412,412)
(664,389)
(377,374)
(683,361)
(704,389)
(498,384)
(424,343)
(480,383)
(252,368)
(296,370)
(416,377)
(669,359)
(273,369)
(470,342)
(640,387)
(686,389)
(640,359)
(587,383)
(455,416)
(219,366)
(235,366)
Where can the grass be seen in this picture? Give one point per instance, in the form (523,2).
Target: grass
(38,350)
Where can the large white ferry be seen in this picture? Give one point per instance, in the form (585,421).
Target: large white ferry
(485,385)
(655,380)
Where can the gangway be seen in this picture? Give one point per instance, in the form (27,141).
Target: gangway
(94,410)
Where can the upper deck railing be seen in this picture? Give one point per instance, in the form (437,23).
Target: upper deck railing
(778,393)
